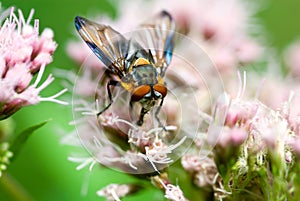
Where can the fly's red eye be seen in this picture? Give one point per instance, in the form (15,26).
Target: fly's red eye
(139,92)
(161,89)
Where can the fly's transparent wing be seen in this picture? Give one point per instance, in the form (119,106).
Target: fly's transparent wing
(108,45)
(157,35)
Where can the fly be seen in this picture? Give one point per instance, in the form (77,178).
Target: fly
(139,70)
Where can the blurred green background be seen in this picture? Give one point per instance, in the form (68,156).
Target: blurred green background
(42,168)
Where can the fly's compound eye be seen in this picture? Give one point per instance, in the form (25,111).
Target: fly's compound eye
(140,92)
(160,90)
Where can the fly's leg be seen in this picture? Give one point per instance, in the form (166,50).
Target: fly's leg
(141,118)
(142,114)
(156,115)
(131,109)
(110,83)
(144,111)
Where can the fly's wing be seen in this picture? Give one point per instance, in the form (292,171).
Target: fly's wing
(158,37)
(108,45)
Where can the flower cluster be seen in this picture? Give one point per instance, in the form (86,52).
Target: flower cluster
(255,142)
(239,148)
(23,54)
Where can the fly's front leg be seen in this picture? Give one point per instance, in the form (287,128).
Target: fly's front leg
(110,83)
(131,109)
(141,118)
(142,114)
(157,113)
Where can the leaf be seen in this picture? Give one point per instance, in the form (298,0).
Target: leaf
(20,140)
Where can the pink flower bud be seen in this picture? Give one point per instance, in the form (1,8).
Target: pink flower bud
(47,34)
(11,107)
(48,46)
(2,66)
(232,137)
(22,54)
(41,59)
(28,31)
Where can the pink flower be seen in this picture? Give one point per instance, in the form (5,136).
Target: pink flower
(115,191)
(203,169)
(226,40)
(174,193)
(232,136)
(23,53)
(240,112)
(191,163)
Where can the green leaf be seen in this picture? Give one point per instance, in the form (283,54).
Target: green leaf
(20,140)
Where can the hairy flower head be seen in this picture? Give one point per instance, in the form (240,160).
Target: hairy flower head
(23,54)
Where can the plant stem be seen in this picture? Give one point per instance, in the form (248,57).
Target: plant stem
(14,189)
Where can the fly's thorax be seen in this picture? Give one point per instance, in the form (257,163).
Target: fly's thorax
(141,72)
(145,75)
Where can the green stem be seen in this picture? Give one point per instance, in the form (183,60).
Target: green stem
(14,189)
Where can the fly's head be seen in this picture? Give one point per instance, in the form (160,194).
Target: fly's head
(148,95)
